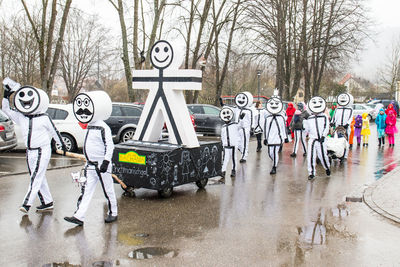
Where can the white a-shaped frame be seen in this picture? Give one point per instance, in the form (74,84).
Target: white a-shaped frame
(165,101)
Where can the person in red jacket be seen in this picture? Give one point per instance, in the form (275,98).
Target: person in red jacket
(289,114)
(389,108)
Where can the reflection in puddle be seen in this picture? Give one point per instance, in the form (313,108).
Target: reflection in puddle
(340,211)
(151,252)
(315,232)
(102,264)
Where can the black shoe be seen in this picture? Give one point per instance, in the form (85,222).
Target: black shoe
(351,146)
(273,171)
(328,172)
(363,144)
(366,144)
(258,149)
(293,155)
(304,154)
(310,177)
(242,160)
(73,220)
(110,218)
(223,174)
(233,173)
(24,208)
(44,207)
(359,144)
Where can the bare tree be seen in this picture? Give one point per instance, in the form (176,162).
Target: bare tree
(80,52)
(389,73)
(49,43)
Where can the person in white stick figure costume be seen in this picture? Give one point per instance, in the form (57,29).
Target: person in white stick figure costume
(93,108)
(37,129)
(275,130)
(317,127)
(229,139)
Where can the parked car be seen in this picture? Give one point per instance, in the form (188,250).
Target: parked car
(123,121)
(8,139)
(206,118)
(359,109)
(73,134)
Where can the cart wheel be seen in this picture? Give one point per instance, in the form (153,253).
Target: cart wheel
(165,193)
(202,183)
(129,192)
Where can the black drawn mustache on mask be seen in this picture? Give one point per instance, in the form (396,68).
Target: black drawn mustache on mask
(83,112)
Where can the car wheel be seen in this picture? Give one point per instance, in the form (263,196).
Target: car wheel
(127,135)
(69,142)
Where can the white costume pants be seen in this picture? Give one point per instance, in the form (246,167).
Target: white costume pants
(229,153)
(37,160)
(244,138)
(315,148)
(107,185)
(273,152)
(299,137)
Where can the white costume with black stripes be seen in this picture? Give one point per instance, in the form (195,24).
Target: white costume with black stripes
(37,131)
(98,146)
(245,121)
(229,139)
(317,127)
(275,135)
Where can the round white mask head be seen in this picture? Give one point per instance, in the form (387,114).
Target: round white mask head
(92,106)
(161,54)
(317,105)
(274,105)
(244,99)
(30,100)
(226,114)
(344,99)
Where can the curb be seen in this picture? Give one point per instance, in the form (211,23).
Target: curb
(369,201)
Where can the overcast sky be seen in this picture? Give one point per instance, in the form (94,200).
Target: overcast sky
(385,15)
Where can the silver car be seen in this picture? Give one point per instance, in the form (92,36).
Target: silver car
(8,139)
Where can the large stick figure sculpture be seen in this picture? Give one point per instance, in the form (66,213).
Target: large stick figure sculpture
(165,101)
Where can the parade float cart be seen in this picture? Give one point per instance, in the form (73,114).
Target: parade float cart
(162,166)
(146,162)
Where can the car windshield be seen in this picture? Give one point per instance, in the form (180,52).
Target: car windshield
(3,117)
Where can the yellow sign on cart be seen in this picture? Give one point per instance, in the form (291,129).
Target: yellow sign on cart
(132,157)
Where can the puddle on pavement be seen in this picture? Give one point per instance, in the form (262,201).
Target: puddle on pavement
(63,264)
(67,264)
(102,264)
(152,252)
(315,233)
(142,235)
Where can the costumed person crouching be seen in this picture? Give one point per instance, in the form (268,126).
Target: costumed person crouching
(37,129)
(259,121)
(275,130)
(229,139)
(297,127)
(244,118)
(343,114)
(317,127)
(93,108)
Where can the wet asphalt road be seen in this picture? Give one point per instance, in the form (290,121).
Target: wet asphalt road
(255,219)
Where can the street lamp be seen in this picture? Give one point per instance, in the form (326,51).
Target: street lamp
(258,76)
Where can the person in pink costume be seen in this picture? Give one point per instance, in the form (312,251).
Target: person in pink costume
(391,126)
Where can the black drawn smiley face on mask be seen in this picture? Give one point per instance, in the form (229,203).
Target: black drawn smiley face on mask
(27,99)
(83,108)
(161,54)
(343,99)
(274,105)
(226,114)
(317,105)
